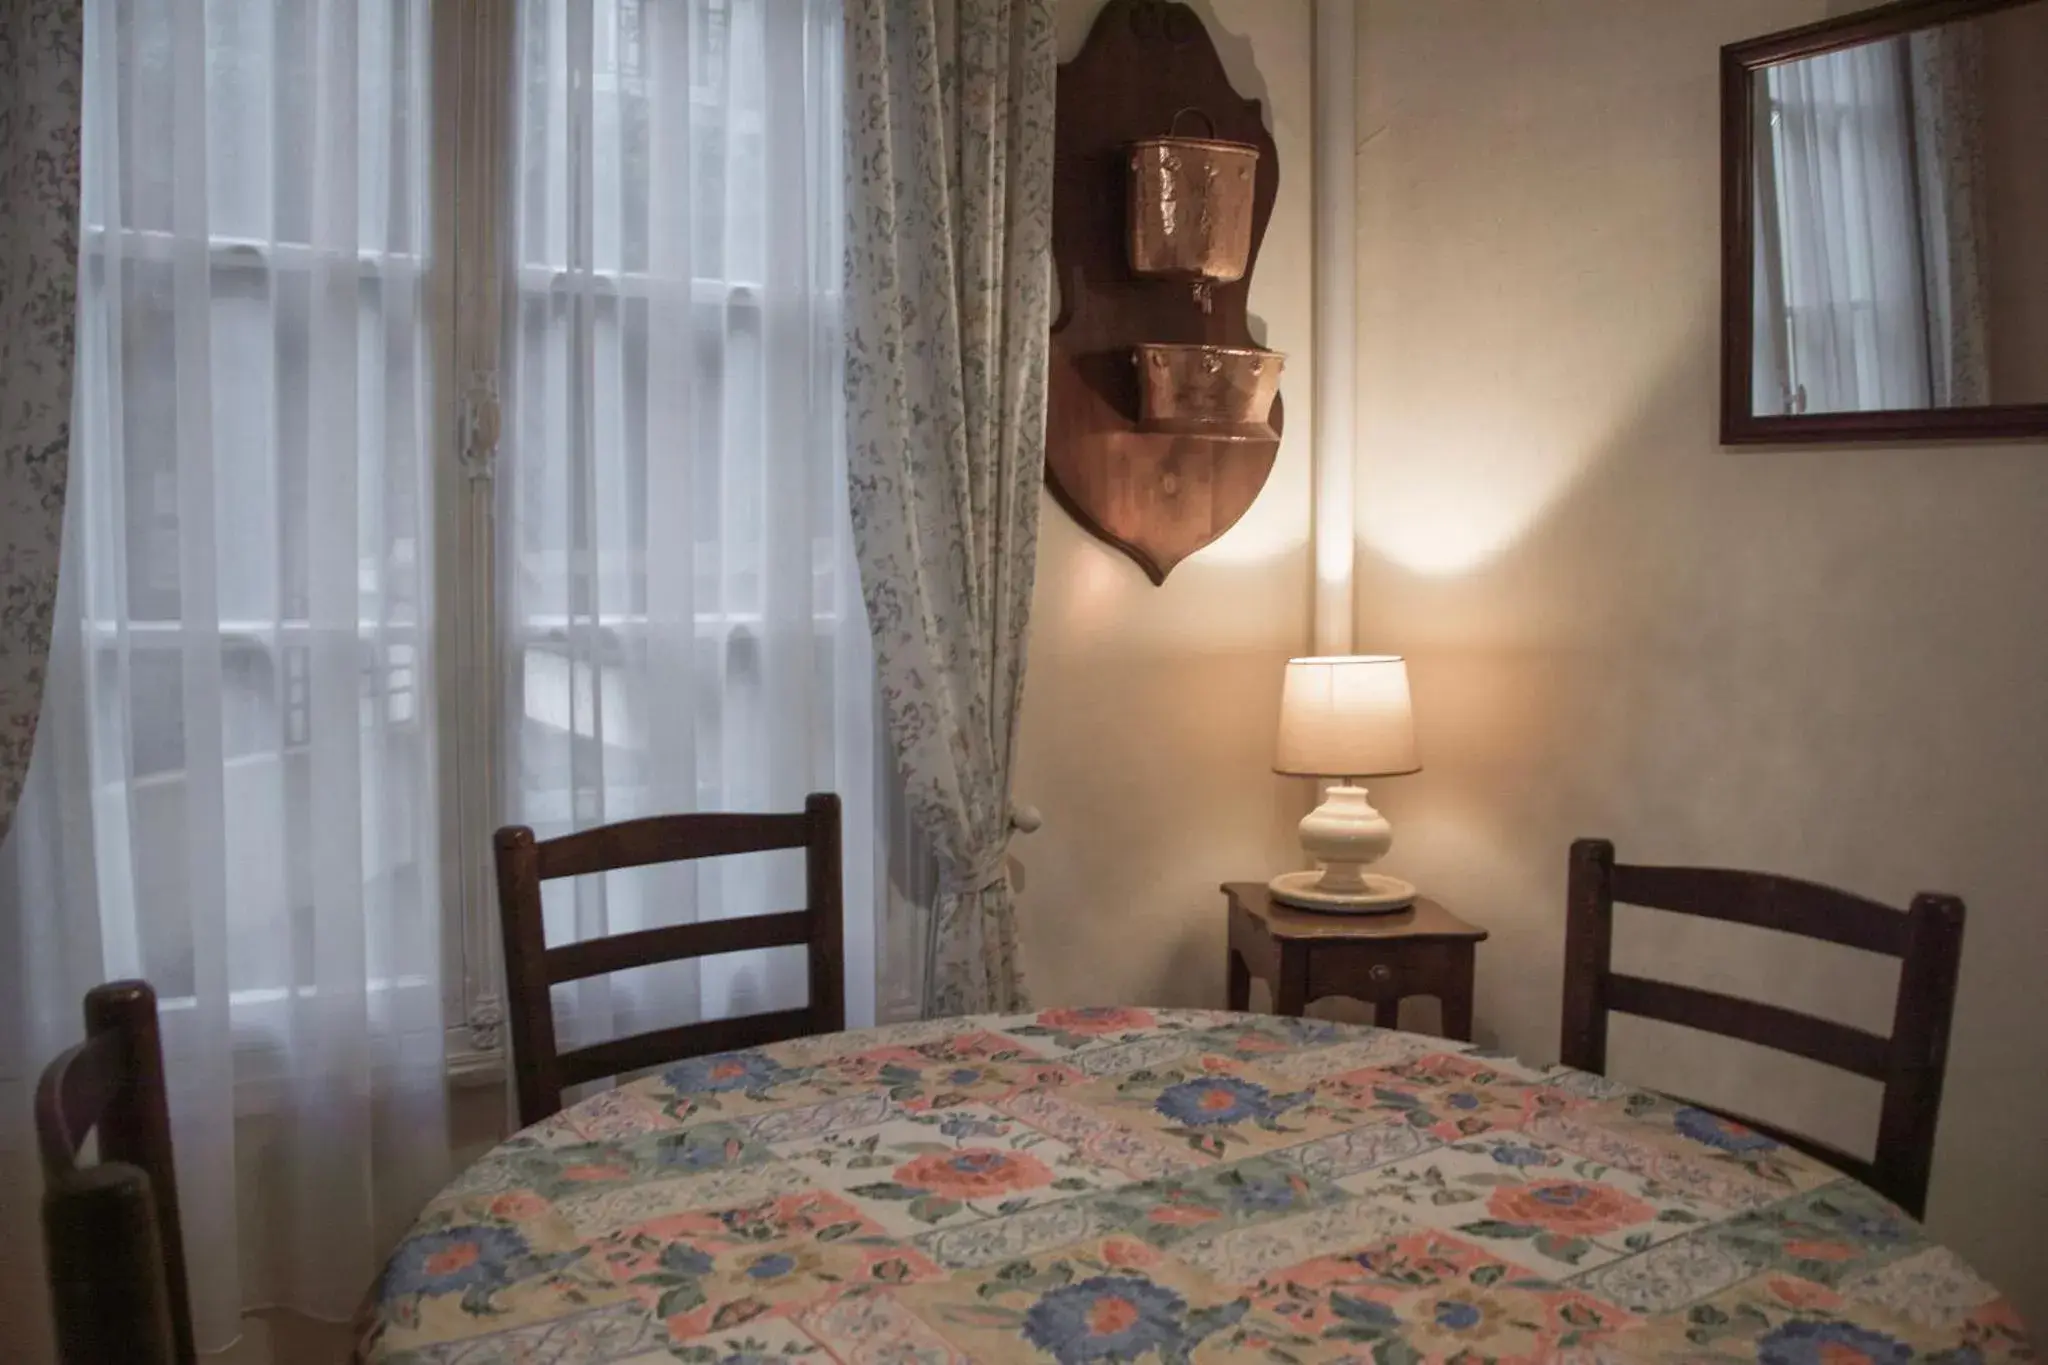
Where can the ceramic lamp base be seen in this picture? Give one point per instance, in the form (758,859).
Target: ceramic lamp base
(1344,834)
(1382,894)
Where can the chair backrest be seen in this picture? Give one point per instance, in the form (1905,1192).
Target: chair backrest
(112,1238)
(531,967)
(1911,1062)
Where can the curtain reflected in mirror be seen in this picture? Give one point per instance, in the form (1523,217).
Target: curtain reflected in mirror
(1900,202)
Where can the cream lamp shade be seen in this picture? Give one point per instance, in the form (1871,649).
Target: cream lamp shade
(1346,716)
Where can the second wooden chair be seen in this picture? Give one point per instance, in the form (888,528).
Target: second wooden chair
(111,1232)
(531,967)
(1911,1062)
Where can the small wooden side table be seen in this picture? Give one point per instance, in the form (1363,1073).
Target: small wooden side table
(1304,956)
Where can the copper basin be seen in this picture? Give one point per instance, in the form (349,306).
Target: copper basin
(1224,393)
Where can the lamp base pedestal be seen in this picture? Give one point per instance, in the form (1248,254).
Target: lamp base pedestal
(1344,834)
(1381,895)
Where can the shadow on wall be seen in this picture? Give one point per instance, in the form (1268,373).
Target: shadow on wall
(1235,50)
(1477,549)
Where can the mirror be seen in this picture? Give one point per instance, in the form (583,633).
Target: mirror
(1884,214)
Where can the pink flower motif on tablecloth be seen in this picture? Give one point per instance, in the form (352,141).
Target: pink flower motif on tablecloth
(1096,1019)
(1797,1293)
(605,1171)
(518,1206)
(974,1173)
(1126,1253)
(1575,1208)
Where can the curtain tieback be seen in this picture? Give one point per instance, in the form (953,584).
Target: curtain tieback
(993,868)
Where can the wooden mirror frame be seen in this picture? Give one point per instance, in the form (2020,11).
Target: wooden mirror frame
(1740,425)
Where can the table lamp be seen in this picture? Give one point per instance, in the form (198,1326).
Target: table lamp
(1345,717)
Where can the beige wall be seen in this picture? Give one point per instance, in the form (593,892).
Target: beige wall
(1148,712)
(1824,662)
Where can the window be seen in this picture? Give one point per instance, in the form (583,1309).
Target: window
(253,346)
(459,444)
(1843,312)
(680,607)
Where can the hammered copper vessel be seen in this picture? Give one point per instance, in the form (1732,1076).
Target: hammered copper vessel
(1224,393)
(1191,207)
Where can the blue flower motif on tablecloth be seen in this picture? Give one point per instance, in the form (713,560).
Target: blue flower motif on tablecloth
(1107,1318)
(967,1126)
(1872,1227)
(680,1258)
(1808,1342)
(705,1149)
(1521,1154)
(773,1266)
(1265,1192)
(724,1071)
(1307,1031)
(1703,1125)
(458,1258)
(1212,1100)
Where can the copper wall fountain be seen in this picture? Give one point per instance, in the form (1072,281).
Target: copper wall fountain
(1163,414)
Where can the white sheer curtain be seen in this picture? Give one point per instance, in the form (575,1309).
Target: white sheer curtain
(685,623)
(1853,330)
(233,790)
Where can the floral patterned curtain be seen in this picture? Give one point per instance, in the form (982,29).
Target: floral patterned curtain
(949,202)
(1945,66)
(40,81)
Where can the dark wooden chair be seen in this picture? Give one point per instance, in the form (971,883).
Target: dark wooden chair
(111,1233)
(1927,939)
(531,966)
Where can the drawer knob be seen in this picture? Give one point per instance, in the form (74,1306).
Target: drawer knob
(1381,973)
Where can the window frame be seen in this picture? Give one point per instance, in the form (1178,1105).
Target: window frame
(472,98)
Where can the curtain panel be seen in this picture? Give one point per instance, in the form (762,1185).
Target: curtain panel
(1947,81)
(40,81)
(233,794)
(949,216)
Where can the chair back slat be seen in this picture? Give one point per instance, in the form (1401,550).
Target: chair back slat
(1911,1062)
(668,839)
(676,943)
(113,1235)
(1807,909)
(1752,1021)
(531,967)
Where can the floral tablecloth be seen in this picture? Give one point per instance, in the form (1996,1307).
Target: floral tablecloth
(1122,1185)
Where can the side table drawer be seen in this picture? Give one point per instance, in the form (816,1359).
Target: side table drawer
(1375,974)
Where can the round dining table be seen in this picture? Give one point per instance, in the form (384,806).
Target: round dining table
(1108,1185)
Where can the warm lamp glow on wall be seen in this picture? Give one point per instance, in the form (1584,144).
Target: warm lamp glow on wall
(1346,717)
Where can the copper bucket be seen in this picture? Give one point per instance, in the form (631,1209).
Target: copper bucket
(1191,207)
(1224,393)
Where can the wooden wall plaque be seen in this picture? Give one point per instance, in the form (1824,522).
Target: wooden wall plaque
(1156,497)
